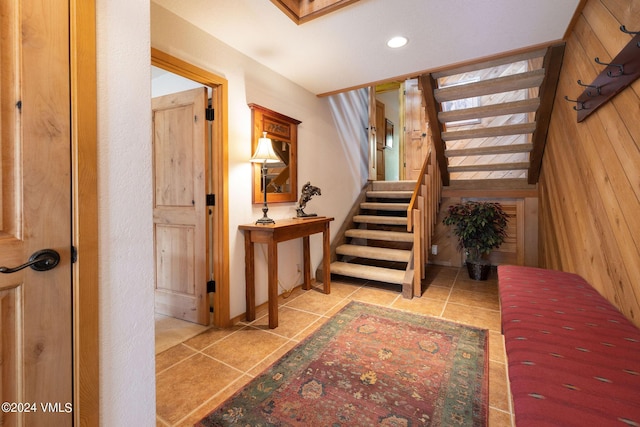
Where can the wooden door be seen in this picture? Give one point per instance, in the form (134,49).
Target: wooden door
(372,135)
(380,135)
(417,137)
(35,213)
(180,176)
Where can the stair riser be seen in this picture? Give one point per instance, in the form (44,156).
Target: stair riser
(393,185)
(373,253)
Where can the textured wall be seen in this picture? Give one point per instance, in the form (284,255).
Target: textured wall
(590,183)
(325,158)
(127,351)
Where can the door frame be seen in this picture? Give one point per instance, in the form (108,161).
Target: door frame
(84,212)
(219,171)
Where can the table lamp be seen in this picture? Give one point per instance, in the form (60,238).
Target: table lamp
(264,154)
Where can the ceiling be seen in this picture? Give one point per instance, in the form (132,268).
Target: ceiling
(347,48)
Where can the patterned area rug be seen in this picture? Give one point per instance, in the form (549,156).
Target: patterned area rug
(370,366)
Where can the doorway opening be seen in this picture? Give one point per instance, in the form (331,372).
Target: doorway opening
(209,262)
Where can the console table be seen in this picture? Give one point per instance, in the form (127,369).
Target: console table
(272,234)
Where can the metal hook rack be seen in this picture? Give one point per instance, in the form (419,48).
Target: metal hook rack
(610,64)
(597,88)
(624,30)
(609,82)
(578,102)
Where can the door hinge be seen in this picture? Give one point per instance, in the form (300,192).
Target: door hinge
(74,254)
(210,113)
(211,199)
(211,286)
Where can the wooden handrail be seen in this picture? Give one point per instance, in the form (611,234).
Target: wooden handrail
(416,190)
(421,217)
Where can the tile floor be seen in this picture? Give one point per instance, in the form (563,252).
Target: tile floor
(200,369)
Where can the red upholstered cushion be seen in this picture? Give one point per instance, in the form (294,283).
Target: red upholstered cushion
(574,359)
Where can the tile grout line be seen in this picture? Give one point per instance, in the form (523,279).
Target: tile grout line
(297,338)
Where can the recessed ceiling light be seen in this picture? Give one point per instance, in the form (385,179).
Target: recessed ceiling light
(396,42)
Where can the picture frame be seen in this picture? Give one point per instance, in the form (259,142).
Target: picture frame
(388,134)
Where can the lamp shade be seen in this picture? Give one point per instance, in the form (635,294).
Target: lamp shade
(264,151)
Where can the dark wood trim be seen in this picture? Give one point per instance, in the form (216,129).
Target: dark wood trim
(552,65)
(432,108)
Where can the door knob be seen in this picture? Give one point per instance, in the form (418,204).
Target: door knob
(42,260)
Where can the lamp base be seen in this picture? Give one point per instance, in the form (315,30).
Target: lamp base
(265,220)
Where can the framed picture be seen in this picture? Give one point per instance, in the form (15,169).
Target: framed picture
(388,134)
(461,104)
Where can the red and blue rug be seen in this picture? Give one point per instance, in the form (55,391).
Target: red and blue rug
(370,366)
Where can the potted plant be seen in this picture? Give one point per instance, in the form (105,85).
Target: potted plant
(480,227)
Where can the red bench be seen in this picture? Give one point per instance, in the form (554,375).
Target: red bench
(574,359)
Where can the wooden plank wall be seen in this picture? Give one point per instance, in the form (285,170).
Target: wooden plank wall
(589,198)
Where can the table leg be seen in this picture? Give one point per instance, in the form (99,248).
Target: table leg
(272,260)
(326,259)
(306,267)
(250,283)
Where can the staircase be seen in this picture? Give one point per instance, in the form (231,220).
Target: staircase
(378,246)
(491,118)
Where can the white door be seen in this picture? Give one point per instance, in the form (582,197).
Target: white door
(35,212)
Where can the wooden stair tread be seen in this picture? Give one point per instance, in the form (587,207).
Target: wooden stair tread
(392,236)
(491,184)
(379,219)
(372,252)
(490,167)
(407,185)
(515,107)
(395,194)
(523,56)
(383,206)
(509,83)
(488,132)
(378,274)
(490,149)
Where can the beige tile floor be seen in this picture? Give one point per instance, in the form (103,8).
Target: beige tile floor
(199,371)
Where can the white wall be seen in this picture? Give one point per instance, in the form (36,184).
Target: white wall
(321,150)
(127,369)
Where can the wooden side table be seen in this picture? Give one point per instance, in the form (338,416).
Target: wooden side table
(272,234)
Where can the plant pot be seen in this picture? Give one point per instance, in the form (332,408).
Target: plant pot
(478,270)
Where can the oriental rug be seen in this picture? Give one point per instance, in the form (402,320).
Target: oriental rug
(370,366)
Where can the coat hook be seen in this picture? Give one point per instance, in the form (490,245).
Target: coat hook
(580,103)
(624,30)
(609,73)
(597,88)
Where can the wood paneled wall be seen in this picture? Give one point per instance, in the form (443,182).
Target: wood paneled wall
(589,198)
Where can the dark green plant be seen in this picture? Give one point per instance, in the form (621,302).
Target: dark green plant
(479,226)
